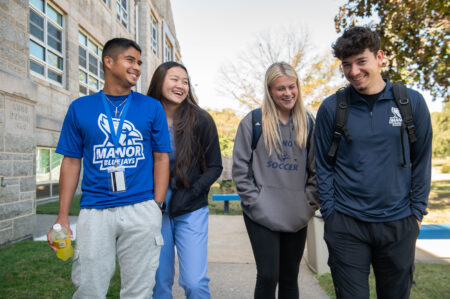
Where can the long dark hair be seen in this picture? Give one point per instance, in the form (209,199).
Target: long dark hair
(186,127)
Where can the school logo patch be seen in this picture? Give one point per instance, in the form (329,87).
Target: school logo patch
(396,119)
(130,149)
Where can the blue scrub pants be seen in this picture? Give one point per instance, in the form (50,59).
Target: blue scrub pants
(189,234)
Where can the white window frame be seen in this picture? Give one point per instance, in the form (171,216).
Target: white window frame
(85,69)
(168,50)
(52,180)
(46,47)
(154,33)
(119,9)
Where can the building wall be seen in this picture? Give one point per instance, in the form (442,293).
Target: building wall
(33,107)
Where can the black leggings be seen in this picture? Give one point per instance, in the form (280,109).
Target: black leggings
(277,256)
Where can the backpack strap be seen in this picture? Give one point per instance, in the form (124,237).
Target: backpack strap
(256,134)
(310,119)
(404,106)
(340,128)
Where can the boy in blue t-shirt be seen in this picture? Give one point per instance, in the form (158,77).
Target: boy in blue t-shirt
(123,139)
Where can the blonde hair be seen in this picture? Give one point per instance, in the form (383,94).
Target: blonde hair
(270,119)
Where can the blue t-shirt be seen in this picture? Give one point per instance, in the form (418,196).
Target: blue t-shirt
(86,134)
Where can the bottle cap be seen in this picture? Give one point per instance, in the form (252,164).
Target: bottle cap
(57,227)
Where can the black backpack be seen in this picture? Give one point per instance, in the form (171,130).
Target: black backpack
(257,131)
(404,106)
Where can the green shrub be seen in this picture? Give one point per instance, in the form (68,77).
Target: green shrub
(445,168)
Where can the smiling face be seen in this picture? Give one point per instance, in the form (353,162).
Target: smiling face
(363,71)
(284,92)
(125,69)
(175,87)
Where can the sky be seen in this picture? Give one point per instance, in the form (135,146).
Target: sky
(214,32)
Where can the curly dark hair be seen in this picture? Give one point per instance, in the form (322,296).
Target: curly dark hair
(356,40)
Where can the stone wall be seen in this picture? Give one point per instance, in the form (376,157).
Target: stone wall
(32,108)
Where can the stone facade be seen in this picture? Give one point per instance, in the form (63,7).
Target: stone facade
(32,107)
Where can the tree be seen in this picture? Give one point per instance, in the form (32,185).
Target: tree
(227,123)
(243,79)
(441,132)
(414,36)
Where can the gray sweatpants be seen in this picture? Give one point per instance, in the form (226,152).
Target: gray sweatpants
(131,232)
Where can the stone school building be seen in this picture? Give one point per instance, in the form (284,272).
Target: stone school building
(50,54)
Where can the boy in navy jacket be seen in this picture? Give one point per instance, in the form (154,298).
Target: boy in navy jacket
(371,203)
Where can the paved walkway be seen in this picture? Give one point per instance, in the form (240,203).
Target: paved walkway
(232,267)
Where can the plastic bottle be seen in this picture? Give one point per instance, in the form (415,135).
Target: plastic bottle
(61,240)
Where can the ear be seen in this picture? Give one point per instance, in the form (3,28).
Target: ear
(380,58)
(108,62)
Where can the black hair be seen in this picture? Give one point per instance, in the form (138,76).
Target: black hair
(116,45)
(186,126)
(356,40)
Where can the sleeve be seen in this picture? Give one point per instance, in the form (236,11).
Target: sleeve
(160,139)
(210,142)
(421,164)
(311,183)
(246,187)
(323,136)
(70,141)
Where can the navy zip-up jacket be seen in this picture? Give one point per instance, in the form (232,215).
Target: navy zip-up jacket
(367,180)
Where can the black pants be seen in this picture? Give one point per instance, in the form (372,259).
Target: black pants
(277,257)
(389,246)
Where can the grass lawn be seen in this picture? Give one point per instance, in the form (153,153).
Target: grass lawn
(52,208)
(431,282)
(439,203)
(31,270)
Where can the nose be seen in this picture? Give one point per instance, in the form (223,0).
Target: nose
(354,70)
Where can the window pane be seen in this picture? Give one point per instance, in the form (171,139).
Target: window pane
(55,189)
(55,165)
(82,76)
(55,76)
(37,51)
(42,165)
(54,15)
(42,191)
(54,37)
(124,4)
(54,60)
(93,47)
(82,39)
(102,73)
(91,91)
(93,65)
(100,87)
(39,4)
(36,25)
(83,90)
(82,57)
(93,83)
(36,67)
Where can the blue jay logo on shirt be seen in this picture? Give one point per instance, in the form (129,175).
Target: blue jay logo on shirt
(130,149)
(396,120)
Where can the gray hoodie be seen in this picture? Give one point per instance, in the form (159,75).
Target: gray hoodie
(283,194)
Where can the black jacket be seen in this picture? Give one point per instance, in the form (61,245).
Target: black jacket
(195,197)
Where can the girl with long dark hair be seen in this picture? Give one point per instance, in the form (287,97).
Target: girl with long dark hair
(196,164)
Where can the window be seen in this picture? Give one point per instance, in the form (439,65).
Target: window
(106,2)
(168,51)
(48,164)
(154,32)
(46,40)
(122,12)
(90,68)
